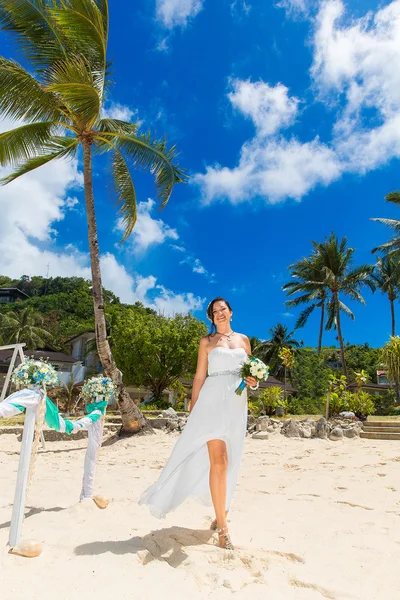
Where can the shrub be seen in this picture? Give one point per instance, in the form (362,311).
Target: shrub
(254,408)
(384,403)
(270,398)
(305,406)
(360,403)
(179,406)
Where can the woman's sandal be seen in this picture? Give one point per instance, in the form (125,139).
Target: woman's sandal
(223,533)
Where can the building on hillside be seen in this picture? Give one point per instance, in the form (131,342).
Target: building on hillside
(9,295)
(83,349)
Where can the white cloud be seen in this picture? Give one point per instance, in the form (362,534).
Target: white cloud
(173,13)
(270,108)
(115,110)
(272,169)
(178,248)
(169,304)
(296,8)
(195,265)
(148,231)
(355,73)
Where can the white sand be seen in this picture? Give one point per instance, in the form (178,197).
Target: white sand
(311,519)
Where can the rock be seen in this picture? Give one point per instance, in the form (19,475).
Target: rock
(347,414)
(260,435)
(271,429)
(336,434)
(351,433)
(291,428)
(170,413)
(305,431)
(263,424)
(321,428)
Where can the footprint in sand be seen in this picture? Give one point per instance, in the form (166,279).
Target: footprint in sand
(353,505)
(312,586)
(339,487)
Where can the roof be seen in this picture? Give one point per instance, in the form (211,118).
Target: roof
(75,337)
(273,381)
(371,385)
(57,357)
(12,289)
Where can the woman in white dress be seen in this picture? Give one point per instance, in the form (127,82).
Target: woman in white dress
(205,461)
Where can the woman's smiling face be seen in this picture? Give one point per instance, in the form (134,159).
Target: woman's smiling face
(221,313)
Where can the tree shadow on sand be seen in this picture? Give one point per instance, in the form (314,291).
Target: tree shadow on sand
(164,545)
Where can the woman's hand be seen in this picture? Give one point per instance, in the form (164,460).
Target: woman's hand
(251,381)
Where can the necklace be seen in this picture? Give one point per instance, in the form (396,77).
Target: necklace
(227,335)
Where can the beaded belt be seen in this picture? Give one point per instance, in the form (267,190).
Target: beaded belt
(217,373)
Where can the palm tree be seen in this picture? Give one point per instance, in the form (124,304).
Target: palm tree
(386,276)
(24,326)
(340,279)
(280,338)
(392,247)
(309,278)
(60,98)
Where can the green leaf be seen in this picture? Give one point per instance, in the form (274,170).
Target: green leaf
(62,148)
(22,97)
(126,192)
(24,142)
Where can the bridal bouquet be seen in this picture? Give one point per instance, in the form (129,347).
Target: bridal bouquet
(98,386)
(34,372)
(253,367)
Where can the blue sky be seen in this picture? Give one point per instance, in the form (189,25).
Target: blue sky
(287,118)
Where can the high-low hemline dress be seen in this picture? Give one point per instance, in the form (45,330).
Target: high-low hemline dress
(219,413)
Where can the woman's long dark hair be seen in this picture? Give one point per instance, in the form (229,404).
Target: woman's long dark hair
(210,315)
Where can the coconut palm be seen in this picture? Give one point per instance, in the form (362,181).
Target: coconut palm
(391,359)
(309,282)
(24,326)
(393,246)
(386,276)
(271,348)
(341,279)
(60,98)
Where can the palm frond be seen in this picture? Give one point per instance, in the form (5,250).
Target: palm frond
(116,126)
(24,142)
(61,148)
(304,315)
(153,156)
(83,26)
(392,223)
(393,197)
(39,38)
(126,192)
(73,82)
(22,97)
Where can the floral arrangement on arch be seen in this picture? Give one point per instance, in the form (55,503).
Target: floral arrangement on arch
(98,387)
(35,372)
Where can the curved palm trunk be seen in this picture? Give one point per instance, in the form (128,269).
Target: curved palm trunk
(339,330)
(321,327)
(133,420)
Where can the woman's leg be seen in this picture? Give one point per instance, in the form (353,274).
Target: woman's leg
(218,474)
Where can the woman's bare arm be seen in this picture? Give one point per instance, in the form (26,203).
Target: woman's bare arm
(201,372)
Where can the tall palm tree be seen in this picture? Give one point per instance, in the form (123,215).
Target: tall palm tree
(341,278)
(60,98)
(386,276)
(25,326)
(392,247)
(280,338)
(309,282)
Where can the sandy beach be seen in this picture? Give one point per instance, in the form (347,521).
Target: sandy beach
(311,519)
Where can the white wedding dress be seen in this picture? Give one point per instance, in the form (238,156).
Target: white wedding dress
(220,414)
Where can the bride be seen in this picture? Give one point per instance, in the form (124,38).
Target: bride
(205,461)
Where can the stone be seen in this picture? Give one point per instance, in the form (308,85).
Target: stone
(170,413)
(347,414)
(351,433)
(291,429)
(321,428)
(260,435)
(305,431)
(263,425)
(336,434)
